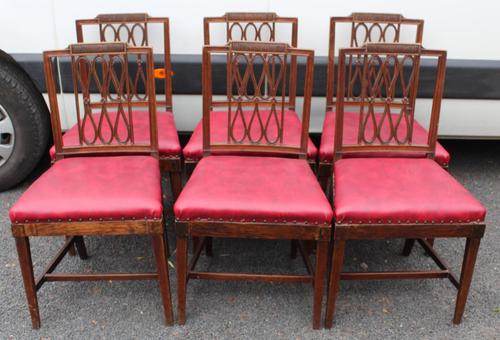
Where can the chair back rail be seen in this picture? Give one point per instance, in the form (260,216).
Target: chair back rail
(257,26)
(134,29)
(105,119)
(368,27)
(381,80)
(256,99)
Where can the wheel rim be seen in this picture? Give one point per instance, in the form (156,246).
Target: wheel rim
(7,136)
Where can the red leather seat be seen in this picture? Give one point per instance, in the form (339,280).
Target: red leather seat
(400,190)
(218,133)
(260,189)
(351,123)
(108,188)
(168,140)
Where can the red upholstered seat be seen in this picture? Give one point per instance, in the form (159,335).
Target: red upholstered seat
(400,190)
(218,131)
(351,121)
(168,140)
(261,189)
(94,188)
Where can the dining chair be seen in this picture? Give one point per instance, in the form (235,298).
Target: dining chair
(140,29)
(387,182)
(354,31)
(108,182)
(241,26)
(253,182)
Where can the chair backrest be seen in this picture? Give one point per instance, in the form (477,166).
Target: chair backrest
(382,80)
(104,120)
(256,101)
(136,29)
(364,28)
(257,26)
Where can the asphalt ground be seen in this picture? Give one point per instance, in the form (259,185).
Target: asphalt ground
(232,310)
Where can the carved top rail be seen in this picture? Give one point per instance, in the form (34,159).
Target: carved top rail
(251,26)
(366,28)
(256,101)
(134,29)
(387,76)
(104,119)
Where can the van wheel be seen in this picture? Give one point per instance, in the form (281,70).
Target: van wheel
(24,124)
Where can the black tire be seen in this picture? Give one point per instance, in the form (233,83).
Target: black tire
(30,118)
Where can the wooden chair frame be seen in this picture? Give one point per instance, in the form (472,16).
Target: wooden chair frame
(351,230)
(255,22)
(139,22)
(22,230)
(205,230)
(370,22)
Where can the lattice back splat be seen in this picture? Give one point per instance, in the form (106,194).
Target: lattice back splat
(381,81)
(369,28)
(133,29)
(104,99)
(256,99)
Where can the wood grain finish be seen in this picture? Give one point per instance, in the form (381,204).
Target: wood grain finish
(112,72)
(256,91)
(135,29)
(374,64)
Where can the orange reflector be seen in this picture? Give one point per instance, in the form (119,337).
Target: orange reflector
(160,73)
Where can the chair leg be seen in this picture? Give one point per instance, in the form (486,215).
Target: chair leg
(294,246)
(162,269)
(26,265)
(167,247)
(80,247)
(337,262)
(431,241)
(323,181)
(471,249)
(208,246)
(182,263)
(71,250)
(176,184)
(409,243)
(319,281)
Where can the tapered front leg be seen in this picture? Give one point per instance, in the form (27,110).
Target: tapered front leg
(26,265)
(336,270)
(159,249)
(182,263)
(319,281)
(471,249)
